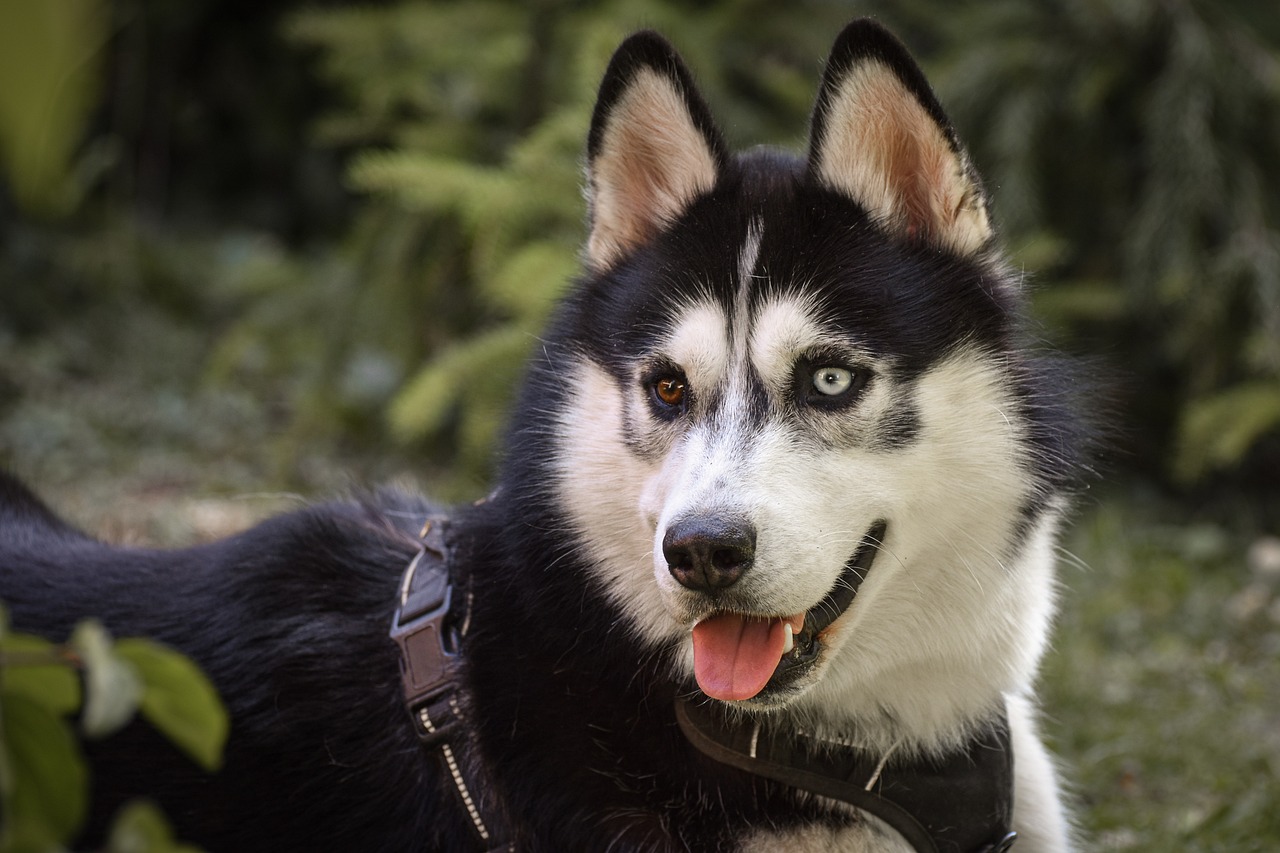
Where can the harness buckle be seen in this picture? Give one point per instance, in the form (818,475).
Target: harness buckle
(429,636)
(428,649)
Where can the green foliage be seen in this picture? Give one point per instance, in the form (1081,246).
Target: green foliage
(479,373)
(112,686)
(44,678)
(48,65)
(1217,430)
(141,828)
(44,781)
(46,785)
(178,700)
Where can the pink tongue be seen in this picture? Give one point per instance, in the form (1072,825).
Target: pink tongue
(734,656)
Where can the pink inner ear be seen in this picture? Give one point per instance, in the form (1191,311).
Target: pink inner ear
(884,149)
(641,192)
(653,160)
(918,169)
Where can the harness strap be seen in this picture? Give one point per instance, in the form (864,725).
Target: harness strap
(427,631)
(962,803)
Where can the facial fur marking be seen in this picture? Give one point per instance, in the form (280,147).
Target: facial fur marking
(898,429)
(697,344)
(747,261)
(783,330)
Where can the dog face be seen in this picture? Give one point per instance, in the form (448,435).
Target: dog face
(795,444)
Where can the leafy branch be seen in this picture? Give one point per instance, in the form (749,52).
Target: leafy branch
(44,780)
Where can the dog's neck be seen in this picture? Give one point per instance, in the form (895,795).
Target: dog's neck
(959,801)
(960,700)
(933,701)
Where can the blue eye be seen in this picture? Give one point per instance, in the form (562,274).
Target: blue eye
(832,381)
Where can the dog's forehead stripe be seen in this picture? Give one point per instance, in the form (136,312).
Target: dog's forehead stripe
(748,260)
(743,397)
(710,338)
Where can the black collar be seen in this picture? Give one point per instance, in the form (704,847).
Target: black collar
(961,803)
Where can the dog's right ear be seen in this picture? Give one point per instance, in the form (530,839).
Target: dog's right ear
(653,148)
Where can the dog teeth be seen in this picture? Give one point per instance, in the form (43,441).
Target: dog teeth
(790,642)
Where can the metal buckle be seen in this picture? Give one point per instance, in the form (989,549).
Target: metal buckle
(428,667)
(1003,845)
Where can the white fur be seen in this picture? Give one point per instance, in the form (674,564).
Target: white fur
(875,838)
(950,622)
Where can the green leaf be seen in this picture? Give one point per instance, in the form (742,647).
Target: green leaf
(49,56)
(140,827)
(422,182)
(45,804)
(455,377)
(528,281)
(179,700)
(54,684)
(1217,431)
(112,687)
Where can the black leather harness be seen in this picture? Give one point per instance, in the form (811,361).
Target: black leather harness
(428,628)
(961,803)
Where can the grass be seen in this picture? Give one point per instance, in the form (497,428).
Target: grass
(1162,693)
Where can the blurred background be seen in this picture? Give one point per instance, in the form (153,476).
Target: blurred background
(253,253)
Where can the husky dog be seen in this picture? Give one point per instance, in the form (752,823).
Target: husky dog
(780,495)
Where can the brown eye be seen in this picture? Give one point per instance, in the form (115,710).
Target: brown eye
(670,390)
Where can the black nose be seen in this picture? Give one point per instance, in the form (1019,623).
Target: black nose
(708,553)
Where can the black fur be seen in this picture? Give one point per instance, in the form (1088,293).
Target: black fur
(574,728)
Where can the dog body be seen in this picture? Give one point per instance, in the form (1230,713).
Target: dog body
(782,450)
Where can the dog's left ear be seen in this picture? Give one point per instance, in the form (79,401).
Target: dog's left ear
(653,148)
(880,136)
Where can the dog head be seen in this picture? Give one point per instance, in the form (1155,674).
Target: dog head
(794,437)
